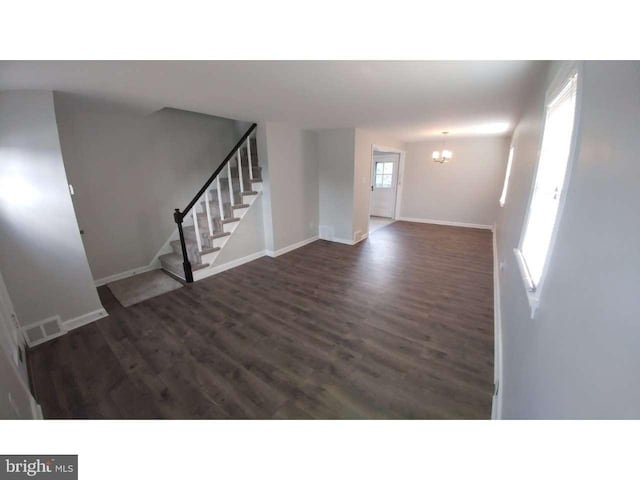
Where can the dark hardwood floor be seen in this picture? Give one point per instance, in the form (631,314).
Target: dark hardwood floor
(398,326)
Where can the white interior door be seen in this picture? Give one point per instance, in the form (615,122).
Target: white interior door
(384,185)
(15,398)
(10,337)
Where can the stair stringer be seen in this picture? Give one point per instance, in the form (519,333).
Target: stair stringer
(216,261)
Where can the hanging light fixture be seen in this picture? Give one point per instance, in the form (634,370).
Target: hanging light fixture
(444,155)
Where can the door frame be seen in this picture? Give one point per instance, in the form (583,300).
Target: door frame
(399,177)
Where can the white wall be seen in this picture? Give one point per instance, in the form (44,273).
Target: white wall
(464,190)
(42,258)
(290,173)
(130,171)
(364,142)
(335,150)
(579,356)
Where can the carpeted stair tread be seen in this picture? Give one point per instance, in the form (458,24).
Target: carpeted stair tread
(219,235)
(175,260)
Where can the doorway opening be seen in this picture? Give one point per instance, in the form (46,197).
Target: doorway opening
(385,175)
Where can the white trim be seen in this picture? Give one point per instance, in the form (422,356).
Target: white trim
(554,88)
(129,273)
(345,241)
(291,247)
(445,222)
(85,319)
(496,407)
(532,293)
(207,272)
(36,409)
(399,180)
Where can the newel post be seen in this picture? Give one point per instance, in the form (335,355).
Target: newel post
(188,274)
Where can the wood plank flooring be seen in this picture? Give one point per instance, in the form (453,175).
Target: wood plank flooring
(398,326)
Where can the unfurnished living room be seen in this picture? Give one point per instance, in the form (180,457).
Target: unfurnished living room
(319,240)
(168,253)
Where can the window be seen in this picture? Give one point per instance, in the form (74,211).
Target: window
(384,174)
(548,188)
(505,187)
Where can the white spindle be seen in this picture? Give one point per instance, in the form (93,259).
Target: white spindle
(220,199)
(240,173)
(197,229)
(230,184)
(249,157)
(206,202)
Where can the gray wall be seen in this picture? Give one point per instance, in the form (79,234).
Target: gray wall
(248,237)
(291,185)
(42,258)
(465,190)
(130,171)
(579,356)
(335,150)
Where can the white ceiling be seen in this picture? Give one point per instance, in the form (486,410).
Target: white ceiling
(410,100)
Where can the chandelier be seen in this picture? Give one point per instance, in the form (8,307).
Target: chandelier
(444,155)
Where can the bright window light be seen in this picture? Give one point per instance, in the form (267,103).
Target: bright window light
(383,174)
(505,187)
(549,184)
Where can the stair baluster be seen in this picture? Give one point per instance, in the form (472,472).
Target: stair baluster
(230,188)
(196,228)
(249,158)
(221,207)
(208,208)
(240,175)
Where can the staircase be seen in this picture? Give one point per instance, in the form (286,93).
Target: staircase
(209,220)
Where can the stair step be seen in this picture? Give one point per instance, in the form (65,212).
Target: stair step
(174,260)
(219,235)
(175,244)
(242,205)
(249,192)
(230,220)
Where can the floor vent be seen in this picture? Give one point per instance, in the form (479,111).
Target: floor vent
(43,331)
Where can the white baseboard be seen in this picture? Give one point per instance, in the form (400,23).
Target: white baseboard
(85,319)
(445,222)
(338,240)
(207,272)
(364,236)
(122,275)
(291,247)
(496,408)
